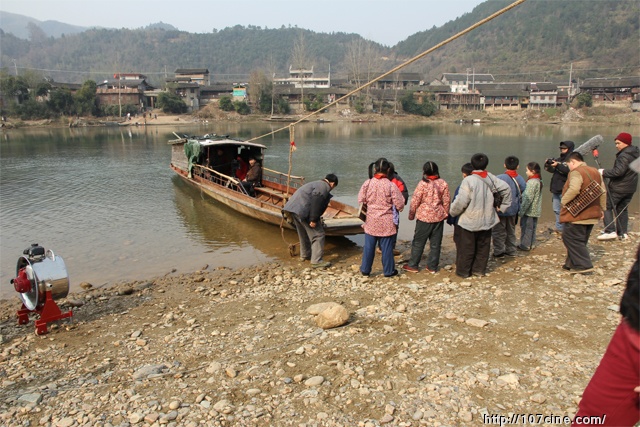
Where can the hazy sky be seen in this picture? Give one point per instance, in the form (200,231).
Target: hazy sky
(387,22)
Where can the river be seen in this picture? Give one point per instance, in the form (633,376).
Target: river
(106,201)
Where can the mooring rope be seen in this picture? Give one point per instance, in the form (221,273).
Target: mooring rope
(399,67)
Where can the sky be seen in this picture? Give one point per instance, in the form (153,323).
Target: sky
(387,22)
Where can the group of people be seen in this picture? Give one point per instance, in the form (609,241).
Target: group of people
(485,210)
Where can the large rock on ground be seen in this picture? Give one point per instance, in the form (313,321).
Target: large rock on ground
(332,317)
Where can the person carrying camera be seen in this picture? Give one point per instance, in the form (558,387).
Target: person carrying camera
(475,205)
(559,168)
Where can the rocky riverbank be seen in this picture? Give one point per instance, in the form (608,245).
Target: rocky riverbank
(239,347)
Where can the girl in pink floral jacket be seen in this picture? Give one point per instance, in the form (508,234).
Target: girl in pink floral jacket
(429,207)
(380,195)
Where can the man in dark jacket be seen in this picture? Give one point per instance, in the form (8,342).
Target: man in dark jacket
(305,207)
(559,168)
(623,182)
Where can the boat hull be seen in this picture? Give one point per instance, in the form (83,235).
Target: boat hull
(269,212)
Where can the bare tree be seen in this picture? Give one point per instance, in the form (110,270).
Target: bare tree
(361,59)
(300,60)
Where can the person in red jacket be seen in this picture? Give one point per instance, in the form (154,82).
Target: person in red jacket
(613,391)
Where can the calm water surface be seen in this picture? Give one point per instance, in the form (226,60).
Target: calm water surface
(106,201)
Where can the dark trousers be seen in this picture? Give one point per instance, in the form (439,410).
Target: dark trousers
(610,391)
(618,204)
(369,252)
(575,238)
(472,252)
(424,231)
(504,236)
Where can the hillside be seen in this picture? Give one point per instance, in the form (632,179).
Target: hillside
(539,40)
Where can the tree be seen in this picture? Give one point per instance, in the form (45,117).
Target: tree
(409,105)
(61,102)
(260,91)
(171,103)
(85,99)
(300,60)
(15,88)
(241,107)
(584,100)
(226,104)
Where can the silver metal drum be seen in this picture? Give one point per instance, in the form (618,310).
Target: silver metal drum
(49,274)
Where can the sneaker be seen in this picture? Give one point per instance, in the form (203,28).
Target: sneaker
(608,236)
(625,236)
(303,259)
(498,255)
(410,269)
(428,270)
(321,264)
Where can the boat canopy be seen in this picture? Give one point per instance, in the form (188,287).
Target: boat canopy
(213,140)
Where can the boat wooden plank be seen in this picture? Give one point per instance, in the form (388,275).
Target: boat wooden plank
(330,212)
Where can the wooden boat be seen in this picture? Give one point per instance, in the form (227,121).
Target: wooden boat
(214,164)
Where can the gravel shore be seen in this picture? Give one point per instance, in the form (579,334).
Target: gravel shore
(239,347)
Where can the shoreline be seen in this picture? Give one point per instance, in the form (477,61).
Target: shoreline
(238,347)
(612,115)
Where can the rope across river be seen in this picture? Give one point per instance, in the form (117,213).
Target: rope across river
(393,70)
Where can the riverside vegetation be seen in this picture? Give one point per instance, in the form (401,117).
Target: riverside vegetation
(239,347)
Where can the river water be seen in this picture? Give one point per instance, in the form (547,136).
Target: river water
(106,201)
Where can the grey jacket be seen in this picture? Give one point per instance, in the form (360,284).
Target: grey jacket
(474,203)
(310,201)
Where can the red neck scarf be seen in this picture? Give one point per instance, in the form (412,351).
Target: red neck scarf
(511,173)
(432,177)
(380,175)
(482,174)
(534,176)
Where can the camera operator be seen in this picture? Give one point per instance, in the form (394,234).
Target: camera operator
(559,168)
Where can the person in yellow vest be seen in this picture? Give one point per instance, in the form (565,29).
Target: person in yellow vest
(577,229)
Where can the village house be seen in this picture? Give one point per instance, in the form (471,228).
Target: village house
(543,95)
(610,90)
(129,89)
(504,96)
(465,82)
(192,75)
(304,78)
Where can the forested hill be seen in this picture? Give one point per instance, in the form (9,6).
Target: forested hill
(538,40)
(599,37)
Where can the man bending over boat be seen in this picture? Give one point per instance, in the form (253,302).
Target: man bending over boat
(306,207)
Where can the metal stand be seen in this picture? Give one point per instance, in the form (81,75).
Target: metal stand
(50,312)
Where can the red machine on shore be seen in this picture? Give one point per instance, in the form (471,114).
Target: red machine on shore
(41,278)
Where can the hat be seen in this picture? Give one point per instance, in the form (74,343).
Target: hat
(563,145)
(624,137)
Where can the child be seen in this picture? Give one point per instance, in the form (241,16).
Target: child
(429,207)
(475,205)
(530,207)
(504,233)
(453,220)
